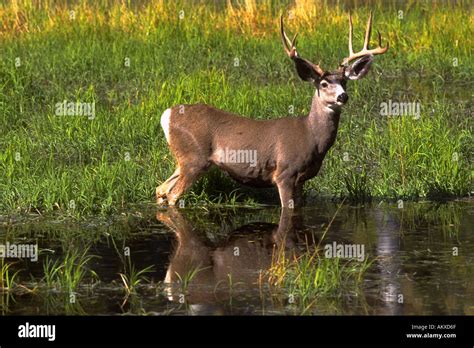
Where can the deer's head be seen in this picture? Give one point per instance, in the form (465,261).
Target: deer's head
(331,85)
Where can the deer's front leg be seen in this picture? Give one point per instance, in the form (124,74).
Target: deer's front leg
(286,189)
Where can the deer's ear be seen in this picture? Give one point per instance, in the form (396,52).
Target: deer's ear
(359,68)
(306,70)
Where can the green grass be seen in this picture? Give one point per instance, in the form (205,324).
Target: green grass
(186,279)
(306,276)
(78,166)
(8,278)
(69,272)
(132,277)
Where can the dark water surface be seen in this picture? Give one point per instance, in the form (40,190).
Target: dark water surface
(214,261)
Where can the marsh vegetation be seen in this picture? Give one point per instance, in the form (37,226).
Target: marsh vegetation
(79,184)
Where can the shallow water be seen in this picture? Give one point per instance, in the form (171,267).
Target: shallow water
(423,260)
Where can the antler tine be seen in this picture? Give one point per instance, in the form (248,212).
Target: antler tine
(290,49)
(351,51)
(293,43)
(368,31)
(365,50)
(284,38)
(289,46)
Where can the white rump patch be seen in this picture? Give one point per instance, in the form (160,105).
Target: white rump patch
(165,123)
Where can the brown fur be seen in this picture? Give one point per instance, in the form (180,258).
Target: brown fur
(285,159)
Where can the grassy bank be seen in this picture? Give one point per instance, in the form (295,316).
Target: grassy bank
(134,60)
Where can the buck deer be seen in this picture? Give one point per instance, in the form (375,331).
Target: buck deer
(286,152)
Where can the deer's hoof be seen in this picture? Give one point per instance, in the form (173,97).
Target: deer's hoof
(161,201)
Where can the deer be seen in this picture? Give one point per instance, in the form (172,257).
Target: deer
(283,152)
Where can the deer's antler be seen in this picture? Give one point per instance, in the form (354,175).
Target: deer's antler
(290,48)
(365,50)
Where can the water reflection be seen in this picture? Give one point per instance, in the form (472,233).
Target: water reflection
(203,274)
(388,265)
(414,269)
(211,261)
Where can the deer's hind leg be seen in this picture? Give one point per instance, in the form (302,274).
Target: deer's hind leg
(187,177)
(163,190)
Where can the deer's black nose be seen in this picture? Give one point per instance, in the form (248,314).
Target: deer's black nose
(343,98)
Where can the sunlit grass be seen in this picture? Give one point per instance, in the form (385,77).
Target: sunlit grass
(306,278)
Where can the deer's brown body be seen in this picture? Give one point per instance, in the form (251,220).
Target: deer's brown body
(199,134)
(286,152)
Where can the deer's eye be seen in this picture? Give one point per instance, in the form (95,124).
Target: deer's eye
(324,84)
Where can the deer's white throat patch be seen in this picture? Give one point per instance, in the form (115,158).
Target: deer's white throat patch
(165,124)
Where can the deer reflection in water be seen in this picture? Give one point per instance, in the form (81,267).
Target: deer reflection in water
(202,273)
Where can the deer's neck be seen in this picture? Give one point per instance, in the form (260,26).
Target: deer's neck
(323,122)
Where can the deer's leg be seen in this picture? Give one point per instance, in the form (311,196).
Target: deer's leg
(284,235)
(187,177)
(165,188)
(286,189)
